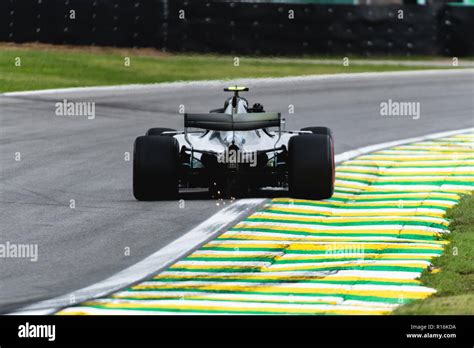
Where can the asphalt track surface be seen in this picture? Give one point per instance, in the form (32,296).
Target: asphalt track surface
(64,158)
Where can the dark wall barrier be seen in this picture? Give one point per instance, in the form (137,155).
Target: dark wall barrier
(457,35)
(335,29)
(97,22)
(249,27)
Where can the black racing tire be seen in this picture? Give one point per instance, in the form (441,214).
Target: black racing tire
(311,169)
(158,131)
(318,130)
(155,168)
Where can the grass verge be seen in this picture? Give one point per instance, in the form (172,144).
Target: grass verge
(49,66)
(455,280)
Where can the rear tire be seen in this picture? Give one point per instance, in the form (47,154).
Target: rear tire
(311,166)
(158,131)
(155,168)
(318,130)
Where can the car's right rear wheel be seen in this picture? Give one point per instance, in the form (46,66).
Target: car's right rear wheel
(311,166)
(155,168)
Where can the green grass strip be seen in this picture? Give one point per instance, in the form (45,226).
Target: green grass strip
(48,66)
(455,280)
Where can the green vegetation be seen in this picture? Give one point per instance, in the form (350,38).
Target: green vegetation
(455,280)
(48,66)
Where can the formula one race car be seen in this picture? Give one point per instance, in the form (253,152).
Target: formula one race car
(233,149)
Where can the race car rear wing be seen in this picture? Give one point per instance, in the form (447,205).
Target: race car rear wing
(236,122)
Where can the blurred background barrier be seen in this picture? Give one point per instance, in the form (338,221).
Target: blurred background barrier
(84,22)
(278,27)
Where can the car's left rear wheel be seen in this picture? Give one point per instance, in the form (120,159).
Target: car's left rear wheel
(155,168)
